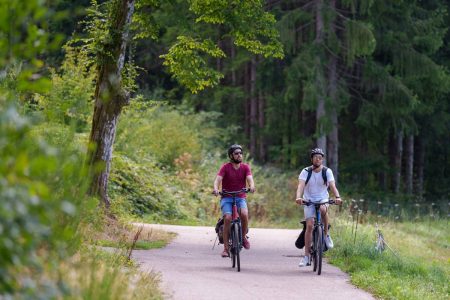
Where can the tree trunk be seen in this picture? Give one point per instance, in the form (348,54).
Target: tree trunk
(109,99)
(409,164)
(233,71)
(320,112)
(247,88)
(333,137)
(398,160)
(253,108)
(420,165)
(382,176)
(261,124)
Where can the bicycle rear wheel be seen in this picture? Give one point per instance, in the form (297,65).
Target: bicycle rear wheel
(319,249)
(236,246)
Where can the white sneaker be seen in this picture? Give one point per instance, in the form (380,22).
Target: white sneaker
(329,242)
(304,261)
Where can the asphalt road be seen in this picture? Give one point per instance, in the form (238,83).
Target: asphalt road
(190,269)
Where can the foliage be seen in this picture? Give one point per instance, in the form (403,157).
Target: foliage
(40,207)
(69,100)
(144,186)
(249,24)
(163,133)
(20,45)
(246,21)
(189,67)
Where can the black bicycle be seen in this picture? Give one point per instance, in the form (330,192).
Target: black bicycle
(235,242)
(318,239)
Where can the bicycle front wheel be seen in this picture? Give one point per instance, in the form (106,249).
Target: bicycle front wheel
(319,249)
(232,247)
(314,249)
(236,246)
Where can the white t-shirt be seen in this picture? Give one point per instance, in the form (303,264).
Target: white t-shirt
(315,190)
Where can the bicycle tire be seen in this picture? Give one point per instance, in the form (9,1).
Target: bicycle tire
(314,249)
(237,247)
(231,247)
(319,250)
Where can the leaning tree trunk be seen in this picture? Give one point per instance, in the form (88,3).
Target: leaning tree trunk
(109,99)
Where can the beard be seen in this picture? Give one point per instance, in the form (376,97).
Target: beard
(236,161)
(316,165)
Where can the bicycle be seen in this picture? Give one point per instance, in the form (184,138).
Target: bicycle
(235,242)
(318,239)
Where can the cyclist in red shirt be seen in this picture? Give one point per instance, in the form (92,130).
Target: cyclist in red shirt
(234,176)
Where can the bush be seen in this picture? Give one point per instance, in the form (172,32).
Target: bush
(158,133)
(42,191)
(69,100)
(142,189)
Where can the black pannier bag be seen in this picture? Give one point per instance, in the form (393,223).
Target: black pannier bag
(219,230)
(300,242)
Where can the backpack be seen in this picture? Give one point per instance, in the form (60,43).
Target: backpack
(324,174)
(219,229)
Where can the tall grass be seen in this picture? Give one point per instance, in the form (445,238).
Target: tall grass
(416,266)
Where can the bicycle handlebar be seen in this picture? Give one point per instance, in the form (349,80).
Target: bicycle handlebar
(224,192)
(330,201)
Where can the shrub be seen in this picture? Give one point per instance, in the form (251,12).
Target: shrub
(142,188)
(42,192)
(69,100)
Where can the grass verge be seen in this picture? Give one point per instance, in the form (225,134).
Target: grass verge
(417,268)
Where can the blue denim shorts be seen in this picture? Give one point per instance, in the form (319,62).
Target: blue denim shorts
(226,204)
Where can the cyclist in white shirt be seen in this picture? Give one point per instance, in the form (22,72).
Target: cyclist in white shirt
(313,185)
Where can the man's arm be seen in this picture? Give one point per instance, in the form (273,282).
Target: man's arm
(217,183)
(335,192)
(300,189)
(250,183)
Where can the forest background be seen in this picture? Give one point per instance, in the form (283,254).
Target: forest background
(367,81)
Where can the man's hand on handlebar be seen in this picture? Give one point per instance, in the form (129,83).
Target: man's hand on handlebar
(299,201)
(251,189)
(338,201)
(215,192)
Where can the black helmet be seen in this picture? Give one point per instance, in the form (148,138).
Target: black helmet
(232,149)
(317,151)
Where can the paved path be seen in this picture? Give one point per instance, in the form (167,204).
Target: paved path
(269,270)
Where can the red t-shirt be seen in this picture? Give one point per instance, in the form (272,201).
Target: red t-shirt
(234,180)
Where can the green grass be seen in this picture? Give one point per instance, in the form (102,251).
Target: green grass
(420,269)
(140,245)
